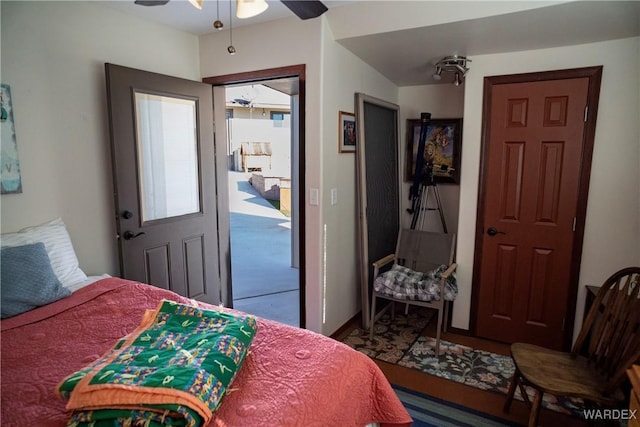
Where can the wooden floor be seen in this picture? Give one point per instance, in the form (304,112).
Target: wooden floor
(471,397)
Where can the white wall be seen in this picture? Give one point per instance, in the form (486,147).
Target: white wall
(53,56)
(612,230)
(343,75)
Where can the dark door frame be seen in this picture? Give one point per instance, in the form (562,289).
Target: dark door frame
(594,74)
(272,74)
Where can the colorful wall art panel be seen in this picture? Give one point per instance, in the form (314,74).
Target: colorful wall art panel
(10,177)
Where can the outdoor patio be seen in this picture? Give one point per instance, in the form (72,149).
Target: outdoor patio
(264,283)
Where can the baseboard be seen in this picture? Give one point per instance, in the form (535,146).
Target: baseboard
(459,331)
(337,335)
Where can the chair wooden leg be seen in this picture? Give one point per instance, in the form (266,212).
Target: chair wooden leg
(535,409)
(373,316)
(446,315)
(512,391)
(438,332)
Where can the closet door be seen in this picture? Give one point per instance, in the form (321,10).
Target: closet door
(378,187)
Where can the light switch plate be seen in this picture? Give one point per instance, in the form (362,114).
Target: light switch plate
(313,197)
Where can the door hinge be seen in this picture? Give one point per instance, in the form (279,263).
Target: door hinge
(563,319)
(586,113)
(575,220)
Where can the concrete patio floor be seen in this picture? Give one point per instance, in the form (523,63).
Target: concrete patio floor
(264,283)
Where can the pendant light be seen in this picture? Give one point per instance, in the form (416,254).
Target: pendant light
(230,48)
(218,23)
(249,8)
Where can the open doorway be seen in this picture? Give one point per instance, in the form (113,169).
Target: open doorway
(289,80)
(265,274)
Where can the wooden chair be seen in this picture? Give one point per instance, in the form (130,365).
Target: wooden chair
(421,251)
(608,344)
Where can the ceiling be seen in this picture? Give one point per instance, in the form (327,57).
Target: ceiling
(180,14)
(406,57)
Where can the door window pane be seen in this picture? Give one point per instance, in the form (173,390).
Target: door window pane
(167,156)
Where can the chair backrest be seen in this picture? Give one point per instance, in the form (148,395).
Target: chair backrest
(612,327)
(424,250)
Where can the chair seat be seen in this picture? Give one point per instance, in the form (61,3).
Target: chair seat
(406,284)
(422,274)
(561,374)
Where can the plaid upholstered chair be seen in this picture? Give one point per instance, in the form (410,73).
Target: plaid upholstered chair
(421,274)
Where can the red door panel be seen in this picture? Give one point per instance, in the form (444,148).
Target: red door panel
(532,174)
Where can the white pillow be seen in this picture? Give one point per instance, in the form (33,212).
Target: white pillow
(57,242)
(89,280)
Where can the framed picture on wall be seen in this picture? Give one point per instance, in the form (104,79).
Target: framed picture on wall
(442,147)
(346,132)
(10,179)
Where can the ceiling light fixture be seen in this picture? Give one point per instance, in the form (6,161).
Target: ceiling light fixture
(197,3)
(230,48)
(250,8)
(455,64)
(438,74)
(218,23)
(457,81)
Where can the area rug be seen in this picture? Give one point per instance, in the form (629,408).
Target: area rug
(400,342)
(428,411)
(392,339)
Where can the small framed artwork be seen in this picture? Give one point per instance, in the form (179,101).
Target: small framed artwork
(346,132)
(443,143)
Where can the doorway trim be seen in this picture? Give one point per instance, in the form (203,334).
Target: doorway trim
(273,74)
(594,74)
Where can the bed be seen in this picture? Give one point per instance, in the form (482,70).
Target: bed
(289,377)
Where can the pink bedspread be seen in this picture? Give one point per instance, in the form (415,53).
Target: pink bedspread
(291,377)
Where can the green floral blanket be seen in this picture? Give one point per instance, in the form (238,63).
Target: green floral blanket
(173,370)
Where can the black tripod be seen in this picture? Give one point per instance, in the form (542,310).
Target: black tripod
(424,182)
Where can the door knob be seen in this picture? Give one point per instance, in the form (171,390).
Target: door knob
(492,231)
(128,235)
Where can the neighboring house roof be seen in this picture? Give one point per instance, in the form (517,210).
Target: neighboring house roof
(257,96)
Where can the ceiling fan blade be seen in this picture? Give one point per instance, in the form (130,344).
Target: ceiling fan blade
(306,9)
(151,2)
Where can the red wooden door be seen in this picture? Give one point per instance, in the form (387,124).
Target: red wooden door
(532,177)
